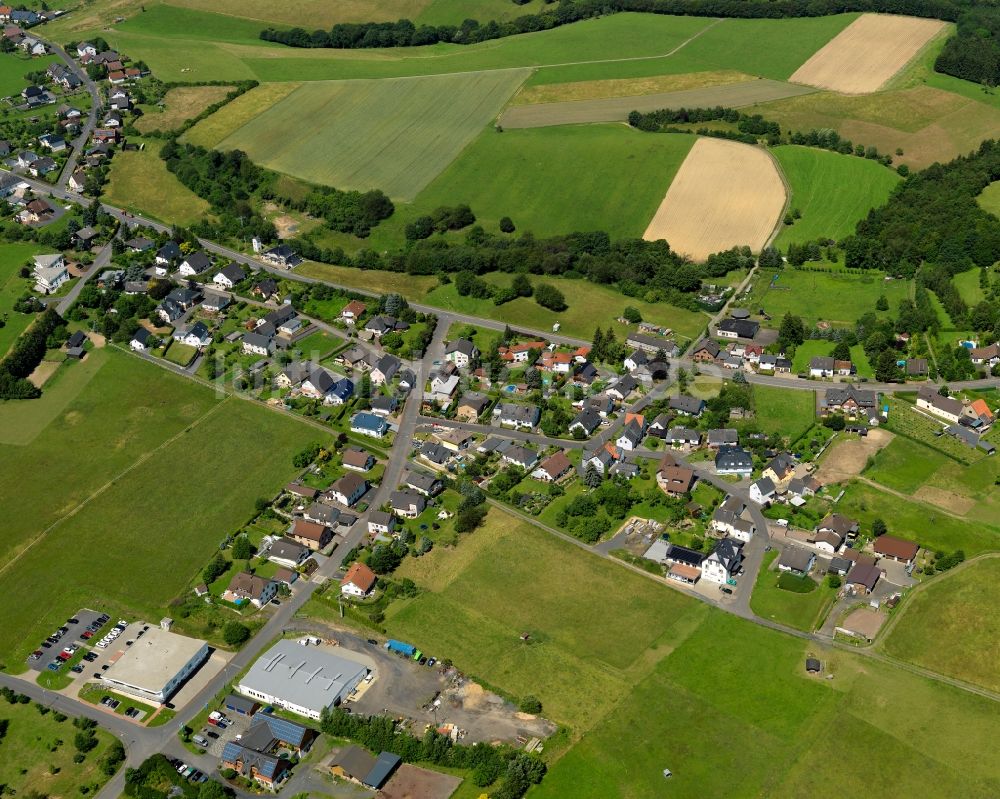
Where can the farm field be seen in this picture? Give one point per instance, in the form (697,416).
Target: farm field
(927,122)
(396,135)
(990,198)
(833,192)
(93,494)
(835,297)
(232,116)
(141,182)
(179,105)
(949,625)
(664,679)
(624,87)
(698,219)
(803,611)
(617,109)
(537,180)
(38,753)
(12,286)
(781,410)
(867,53)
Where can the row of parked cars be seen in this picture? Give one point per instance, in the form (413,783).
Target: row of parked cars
(190,773)
(112,634)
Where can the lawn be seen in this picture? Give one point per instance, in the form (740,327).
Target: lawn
(784,411)
(141,183)
(950,625)
(836,297)
(105,516)
(803,610)
(536,179)
(905,465)
(180,354)
(396,135)
(831,191)
(179,105)
(38,754)
(13,67)
(12,287)
(810,348)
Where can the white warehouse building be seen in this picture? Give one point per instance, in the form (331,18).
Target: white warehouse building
(302,679)
(154,667)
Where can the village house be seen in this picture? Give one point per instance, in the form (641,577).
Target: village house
(733,460)
(763,491)
(650,345)
(780,469)
(310,534)
(723,563)
(521,456)
(520,417)
(49,273)
(851,400)
(722,437)
(352,312)
(286,552)
(737,328)
(193,264)
(897,549)
(602,459)
(674,480)
(408,504)
(586,421)
(246,587)
(986,356)
(229,276)
(553,468)
(863,577)
(196,335)
(461,352)
(359,582)
(687,406)
(282,255)
(369,424)
(681,437)
(349,489)
(381,523)
(357,459)
(826,366)
(425,484)
(948,408)
(471,406)
(797,561)
(385,370)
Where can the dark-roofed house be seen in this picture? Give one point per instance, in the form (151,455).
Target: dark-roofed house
(781,468)
(283,255)
(517,416)
(170,252)
(356,765)
(521,456)
(426,484)
(461,352)
(263,768)
(587,421)
(723,437)
(193,264)
(850,400)
(897,549)
(286,552)
(737,328)
(348,489)
(229,275)
(839,524)
(863,577)
(434,452)
(947,408)
(265,289)
(672,479)
(321,513)
(797,561)
(246,587)
(681,437)
(705,350)
(623,387)
(689,406)
(407,504)
(916,367)
(471,406)
(724,561)
(733,460)
(381,522)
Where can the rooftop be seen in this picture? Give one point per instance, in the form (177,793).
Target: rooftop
(154,660)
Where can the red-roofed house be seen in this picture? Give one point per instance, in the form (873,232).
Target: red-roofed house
(353,311)
(359,581)
(898,549)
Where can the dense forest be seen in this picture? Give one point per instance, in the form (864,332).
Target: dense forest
(973,53)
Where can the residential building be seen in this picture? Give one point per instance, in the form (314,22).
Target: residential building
(229,275)
(49,273)
(359,582)
(385,369)
(407,504)
(426,484)
(472,405)
(897,549)
(674,480)
(140,340)
(650,345)
(688,406)
(521,456)
(257,344)
(380,522)
(215,302)
(349,489)
(851,400)
(863,577)
(282,255)
(826,366)
(192,265)
(196,335)
(356,765)
(780,469)
(623,387)
(353,311)
(310,534)
(705,351)
(322,513)
(553,468)
(733,460)
(723,563)
(839,524)
(518,416)
(762,491)
(587,421)
(737,328)
(723,437)
(683,437)
(357,459)
(797,561)
(369,424)
(286,552)
(461,352)
(246,587)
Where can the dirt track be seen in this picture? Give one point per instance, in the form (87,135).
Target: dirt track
(616,109)
(867,53)
(725,194)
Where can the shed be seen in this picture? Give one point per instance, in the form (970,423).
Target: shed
(813,666)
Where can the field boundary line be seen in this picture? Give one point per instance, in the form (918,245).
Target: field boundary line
(99,491)
(776,231)
(901,495)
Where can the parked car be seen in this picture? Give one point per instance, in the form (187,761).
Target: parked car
(211,734)
(77,669)
(72,621)
(36,654)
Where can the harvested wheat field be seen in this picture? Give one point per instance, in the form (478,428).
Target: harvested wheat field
(725,194)
(867,53)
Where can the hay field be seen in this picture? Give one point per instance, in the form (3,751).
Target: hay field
(396,135)
(181,104)
(232,116)
(867,53)
(624,87)
(725,194)
(615,109)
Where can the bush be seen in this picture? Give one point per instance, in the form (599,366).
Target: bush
(235,633)
(550,297)
(834,581)
(530,704)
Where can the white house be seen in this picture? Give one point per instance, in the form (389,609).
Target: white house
(140,340)
(229,276)
(359,582)
(762,491)
(461,353)
(49,273)
(195,336)
(723,563)
(194,264)
(947,408)
(349,489)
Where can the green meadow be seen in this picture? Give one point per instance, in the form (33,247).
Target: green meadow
(126,491)
(831,191)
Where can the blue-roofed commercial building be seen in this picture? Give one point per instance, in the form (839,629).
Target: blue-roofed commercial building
(302,679)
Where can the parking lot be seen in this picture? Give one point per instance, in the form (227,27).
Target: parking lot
(75,628)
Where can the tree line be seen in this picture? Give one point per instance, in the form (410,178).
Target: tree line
(752,128)
(25,355)
(973,53)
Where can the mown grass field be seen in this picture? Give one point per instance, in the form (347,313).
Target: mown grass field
(839,298)
(620,654)
(38,753)
(809,349)
(141,182)
(12,286)
(968,286)
(13,67)
(127,491)
(179,105)
(804,611)
(537,179)
(950,625)
(832,192)
(781,410)
(396,135)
